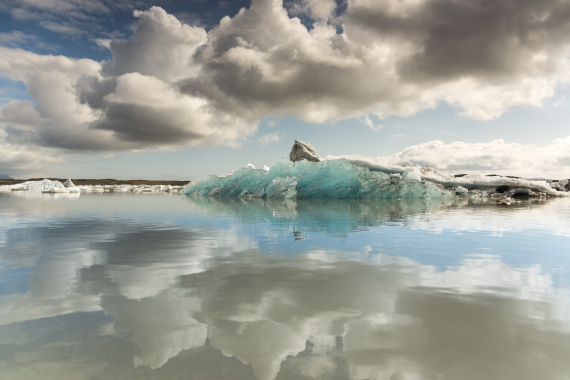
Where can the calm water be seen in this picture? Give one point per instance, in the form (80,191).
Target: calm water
(153,286)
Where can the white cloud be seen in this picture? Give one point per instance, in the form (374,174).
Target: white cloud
(270,138)
(171,84)
(129,103)
(17,157)
(15,38)
(370,124)
(103,42)
(62,6)
(496,156)
(316,9)
(52,82)
(160,46)
(62,28)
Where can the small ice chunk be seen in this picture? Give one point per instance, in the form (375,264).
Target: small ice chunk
(410,173)
(68,183)
(461,190)
(70,186)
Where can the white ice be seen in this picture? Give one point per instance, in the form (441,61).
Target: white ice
(48,186)
(469,182)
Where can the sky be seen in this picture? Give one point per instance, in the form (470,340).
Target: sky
(180,89)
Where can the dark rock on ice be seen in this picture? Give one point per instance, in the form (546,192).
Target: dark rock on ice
(304,151)
(502,189)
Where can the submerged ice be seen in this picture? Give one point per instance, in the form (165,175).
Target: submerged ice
(307,176)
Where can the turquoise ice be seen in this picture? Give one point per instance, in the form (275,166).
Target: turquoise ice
(330,179)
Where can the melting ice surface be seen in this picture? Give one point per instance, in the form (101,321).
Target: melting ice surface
(157,286)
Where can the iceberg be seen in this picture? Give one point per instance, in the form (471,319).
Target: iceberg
(307,176)
(49,186)
(45,185)
(70,186)
(329,179)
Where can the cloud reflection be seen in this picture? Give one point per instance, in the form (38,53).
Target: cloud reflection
(131,299)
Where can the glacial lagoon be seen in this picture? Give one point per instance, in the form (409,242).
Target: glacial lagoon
(164,286)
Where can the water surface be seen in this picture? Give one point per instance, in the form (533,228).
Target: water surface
(155,286)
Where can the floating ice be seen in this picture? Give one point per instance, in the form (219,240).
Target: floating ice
(306,176)
(461,190)
(70,186)
(48,186)
(330,179)
(45,185)
(469,182)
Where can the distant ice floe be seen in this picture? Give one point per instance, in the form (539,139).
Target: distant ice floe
(129,188)
(307,176)
(49,186)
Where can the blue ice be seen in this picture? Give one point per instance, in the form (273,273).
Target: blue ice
(330,179)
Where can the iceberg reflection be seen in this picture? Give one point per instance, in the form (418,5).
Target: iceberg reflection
(126,298)
(334,216)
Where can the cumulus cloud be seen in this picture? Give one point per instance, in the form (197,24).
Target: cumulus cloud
(315,9)
(129,103)
(60,120)
(496,156)
(17,157)
(171,84)
(261,60)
